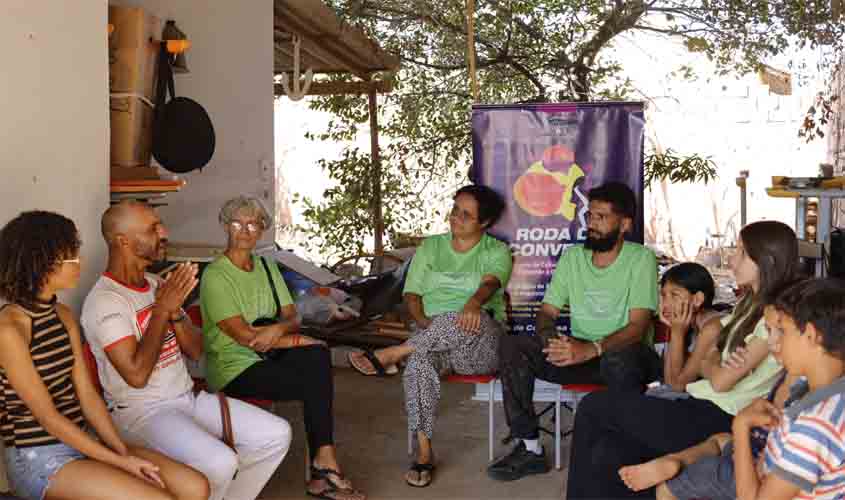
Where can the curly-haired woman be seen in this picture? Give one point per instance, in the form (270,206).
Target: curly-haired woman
(60,440)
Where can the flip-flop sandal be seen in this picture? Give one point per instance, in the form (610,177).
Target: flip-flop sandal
(332,489)
(419,469)
(381,371)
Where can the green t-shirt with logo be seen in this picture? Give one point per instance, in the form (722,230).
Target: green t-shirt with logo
(227,291)
(600,299)
(446,279)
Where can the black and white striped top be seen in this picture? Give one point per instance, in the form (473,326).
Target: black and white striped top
(53,358)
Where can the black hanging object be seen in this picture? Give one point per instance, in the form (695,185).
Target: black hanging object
(183,136)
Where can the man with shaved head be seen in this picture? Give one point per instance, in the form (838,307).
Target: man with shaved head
(138,333)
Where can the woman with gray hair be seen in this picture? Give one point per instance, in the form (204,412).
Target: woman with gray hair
(247,310)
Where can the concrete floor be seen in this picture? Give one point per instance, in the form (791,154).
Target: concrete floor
(372,443)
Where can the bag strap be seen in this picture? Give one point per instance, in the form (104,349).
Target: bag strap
(165,78)
(272,287)
(226,419)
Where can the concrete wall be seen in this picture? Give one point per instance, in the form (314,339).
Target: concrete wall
(231,75)
(54,129)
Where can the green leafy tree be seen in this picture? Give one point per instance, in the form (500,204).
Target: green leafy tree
(527,51)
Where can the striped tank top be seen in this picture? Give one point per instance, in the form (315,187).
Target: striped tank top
(53,358)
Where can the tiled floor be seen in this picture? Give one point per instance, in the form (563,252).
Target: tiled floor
(372,443)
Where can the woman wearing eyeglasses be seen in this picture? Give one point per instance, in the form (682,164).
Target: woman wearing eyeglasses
(455,293)
(241,319)
(60,440)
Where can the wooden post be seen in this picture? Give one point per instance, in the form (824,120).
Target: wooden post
(473,78)
(378,220)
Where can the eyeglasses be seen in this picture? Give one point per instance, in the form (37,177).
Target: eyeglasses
(461,215)
(251,227)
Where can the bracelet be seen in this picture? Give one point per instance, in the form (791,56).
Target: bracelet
(599,350)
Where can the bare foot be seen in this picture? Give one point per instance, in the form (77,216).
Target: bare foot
(643,476)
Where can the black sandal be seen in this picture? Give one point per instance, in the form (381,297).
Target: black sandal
(419,469)
(332,488)
(381,371)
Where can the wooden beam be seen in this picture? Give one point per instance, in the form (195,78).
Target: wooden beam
(378,215)
(323,45)
(327,50)
(344,88)
(315,20)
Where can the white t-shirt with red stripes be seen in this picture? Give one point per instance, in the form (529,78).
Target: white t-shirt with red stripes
(114,312)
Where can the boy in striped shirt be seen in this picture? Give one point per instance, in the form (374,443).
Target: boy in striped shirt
(805,452)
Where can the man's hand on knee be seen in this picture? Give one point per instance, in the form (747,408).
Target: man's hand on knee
(566,351)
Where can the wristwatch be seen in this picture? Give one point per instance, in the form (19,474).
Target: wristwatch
(182,316)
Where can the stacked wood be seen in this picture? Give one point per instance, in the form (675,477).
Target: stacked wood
(393,329)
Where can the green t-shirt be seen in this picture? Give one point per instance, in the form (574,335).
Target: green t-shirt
(600,299)
(756,384)
(227,291)
(446,279)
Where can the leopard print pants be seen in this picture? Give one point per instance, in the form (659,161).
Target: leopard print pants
(444,349)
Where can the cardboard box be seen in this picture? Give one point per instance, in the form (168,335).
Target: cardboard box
(133,61)
(133,52)
(131,121)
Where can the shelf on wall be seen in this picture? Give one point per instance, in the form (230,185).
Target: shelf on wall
(150,191)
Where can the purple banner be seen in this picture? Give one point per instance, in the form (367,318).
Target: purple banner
(544,158)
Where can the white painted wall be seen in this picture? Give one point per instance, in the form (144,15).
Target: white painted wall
(54,130)
(54,124)
(231,75)
(734,120)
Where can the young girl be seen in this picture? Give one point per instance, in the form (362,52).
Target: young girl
(614,429)
(48,398)
(686,301)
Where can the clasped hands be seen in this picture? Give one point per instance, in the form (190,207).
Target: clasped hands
(760,413)
(566,351)
(174,290)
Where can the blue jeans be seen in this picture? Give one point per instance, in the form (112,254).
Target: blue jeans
(30,470)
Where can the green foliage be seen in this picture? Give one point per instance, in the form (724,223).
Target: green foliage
(678,169)
(527,51)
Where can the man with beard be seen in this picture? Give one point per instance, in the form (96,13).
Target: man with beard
(138,332)
(610,286)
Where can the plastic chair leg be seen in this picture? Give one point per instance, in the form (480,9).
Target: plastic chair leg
(491,397)
(557,430)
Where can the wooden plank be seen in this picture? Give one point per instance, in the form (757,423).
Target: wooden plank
(316,20)
(781,193)
(344,88)
(139,187)
(321,53)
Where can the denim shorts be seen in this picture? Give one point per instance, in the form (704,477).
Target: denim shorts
(30,470)
(710,477)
